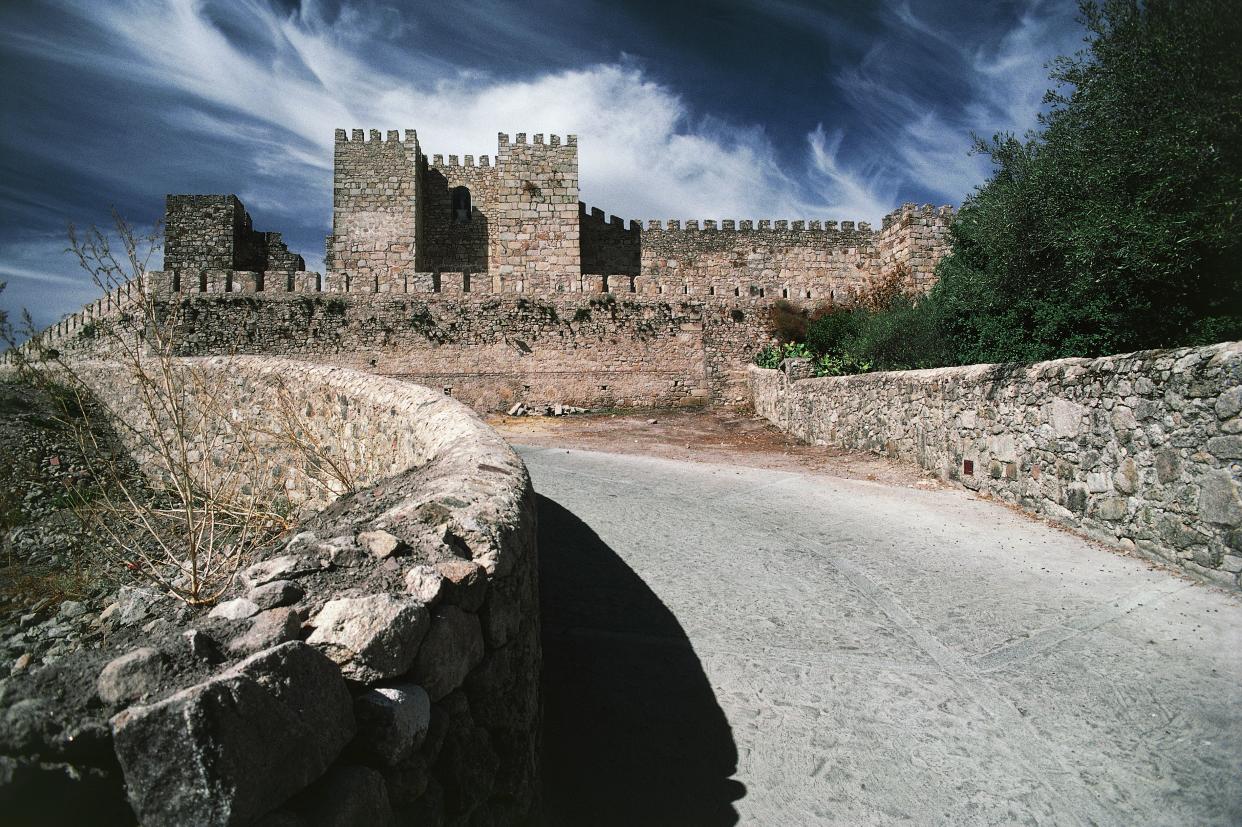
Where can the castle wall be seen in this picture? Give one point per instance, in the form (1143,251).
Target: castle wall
(916,237)
(375,194)
(492,351)
(608,245)
(794,260)
(214,232)
(536,232)
(448,244)
(1139,450)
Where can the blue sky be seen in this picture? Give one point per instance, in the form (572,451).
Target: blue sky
(747,109)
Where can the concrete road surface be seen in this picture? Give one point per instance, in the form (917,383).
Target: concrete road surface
(727,644)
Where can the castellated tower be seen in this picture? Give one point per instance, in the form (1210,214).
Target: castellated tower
(400,217)
(375,200)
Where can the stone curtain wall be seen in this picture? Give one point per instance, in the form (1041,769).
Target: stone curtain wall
(1141,450)
(375,200)
(493,351)
(380,668)
(802,261)
(214,233)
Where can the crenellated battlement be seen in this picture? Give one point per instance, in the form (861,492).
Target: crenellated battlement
(359,136)
(415,235)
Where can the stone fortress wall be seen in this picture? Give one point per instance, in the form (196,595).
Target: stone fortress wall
(421,285)
(1142,450)
(382,667)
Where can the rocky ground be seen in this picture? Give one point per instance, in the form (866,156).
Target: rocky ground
(53,581)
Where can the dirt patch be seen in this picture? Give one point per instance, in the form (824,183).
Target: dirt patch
(730,436)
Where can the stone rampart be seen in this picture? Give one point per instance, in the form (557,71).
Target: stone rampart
(1141,450)
(380,667)
(491,351)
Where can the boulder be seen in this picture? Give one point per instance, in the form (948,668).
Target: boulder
(275,594)
(424,583)
(229,749)
(266,630)
(465,583)
(453,647)
(130,676)
(392,721)
(381,544)
(371,638)
(277,568)
(238,609)
(346,797)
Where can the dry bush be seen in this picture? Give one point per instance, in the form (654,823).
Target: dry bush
(207,497)
(787,321)
(879,293)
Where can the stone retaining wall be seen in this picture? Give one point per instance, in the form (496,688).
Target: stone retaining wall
(1140,450)
(380,666)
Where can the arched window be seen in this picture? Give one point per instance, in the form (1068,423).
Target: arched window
(461,205)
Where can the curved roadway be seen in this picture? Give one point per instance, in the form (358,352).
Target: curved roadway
(728,644)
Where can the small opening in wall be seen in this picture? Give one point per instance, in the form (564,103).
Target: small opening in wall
(762,292)
(711,291)
(808,294)
(603,387)
(660,288)
(448,391)
(737,291)
(461,205)
(968,467)
(526,389)
(784,292)
(685,288)
(465,282)
(435,282)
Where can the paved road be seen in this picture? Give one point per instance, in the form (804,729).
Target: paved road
(729,644)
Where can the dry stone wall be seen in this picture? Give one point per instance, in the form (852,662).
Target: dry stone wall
(380,667)
(1140,450)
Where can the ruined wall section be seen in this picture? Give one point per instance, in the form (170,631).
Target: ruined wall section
(1139,450)
(536,232)
(375,200)
(214,233)
(449,244)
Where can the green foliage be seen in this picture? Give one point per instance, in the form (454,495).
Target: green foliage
(771,356)
(1114,227)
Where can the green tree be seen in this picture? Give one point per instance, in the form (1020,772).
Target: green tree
(1115,226)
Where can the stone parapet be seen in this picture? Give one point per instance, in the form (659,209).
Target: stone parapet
(380,666)
(1140,450)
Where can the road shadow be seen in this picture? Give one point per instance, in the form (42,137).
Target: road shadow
(632,730)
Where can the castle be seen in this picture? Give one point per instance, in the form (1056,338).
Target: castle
(492,281)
